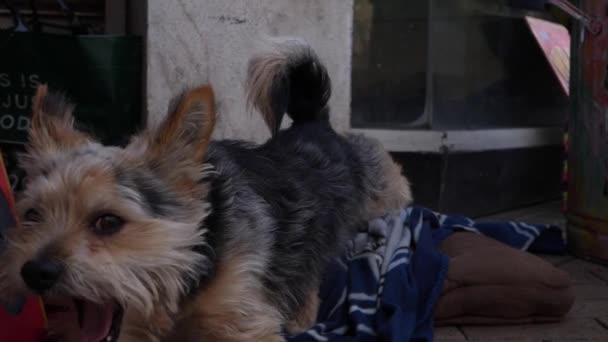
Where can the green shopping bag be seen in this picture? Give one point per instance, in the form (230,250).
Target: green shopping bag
(101,74)
(15,175)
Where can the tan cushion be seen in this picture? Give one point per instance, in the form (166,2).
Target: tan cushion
(491,283)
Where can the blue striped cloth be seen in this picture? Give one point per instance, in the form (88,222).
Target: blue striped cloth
(386,287)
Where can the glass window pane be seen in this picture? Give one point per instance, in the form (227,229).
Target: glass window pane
(390,46)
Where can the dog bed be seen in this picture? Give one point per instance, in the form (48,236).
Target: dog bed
(491,283)
(405,273)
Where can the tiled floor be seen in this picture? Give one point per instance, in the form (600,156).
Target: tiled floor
(586,322)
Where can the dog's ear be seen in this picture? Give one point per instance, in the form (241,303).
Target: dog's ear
(52,123)
(187,128)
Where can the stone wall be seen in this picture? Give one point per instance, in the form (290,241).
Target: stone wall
(191,42)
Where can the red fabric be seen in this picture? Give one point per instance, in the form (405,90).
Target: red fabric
(30,324)
(5,186)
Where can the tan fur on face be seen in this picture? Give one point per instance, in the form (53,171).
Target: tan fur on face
(73,180)
(121,266)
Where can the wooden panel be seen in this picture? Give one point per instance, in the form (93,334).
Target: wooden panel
(482,183)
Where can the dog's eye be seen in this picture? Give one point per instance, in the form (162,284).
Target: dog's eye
(32,215)
(107,224)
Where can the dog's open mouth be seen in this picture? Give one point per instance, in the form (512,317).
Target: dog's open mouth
(94,322)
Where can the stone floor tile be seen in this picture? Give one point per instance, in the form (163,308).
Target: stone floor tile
(557,260)
(604,322)
(585,273)
(448,334)
(589,309)
(591,292)
(576,329)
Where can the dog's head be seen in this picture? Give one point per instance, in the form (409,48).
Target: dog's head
(105,228)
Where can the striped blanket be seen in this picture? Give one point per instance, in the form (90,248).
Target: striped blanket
(387,285)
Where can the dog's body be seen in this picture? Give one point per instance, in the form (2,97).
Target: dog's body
(199,241)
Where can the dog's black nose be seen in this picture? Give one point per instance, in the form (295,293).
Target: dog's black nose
(41,275)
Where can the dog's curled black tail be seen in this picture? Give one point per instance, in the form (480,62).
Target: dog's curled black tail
(288,77)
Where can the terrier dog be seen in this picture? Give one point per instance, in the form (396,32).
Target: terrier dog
(174,237)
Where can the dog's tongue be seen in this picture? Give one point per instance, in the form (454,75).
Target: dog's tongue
(96,321)
(80,320)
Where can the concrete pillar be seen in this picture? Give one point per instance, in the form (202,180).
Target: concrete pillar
(193,42)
